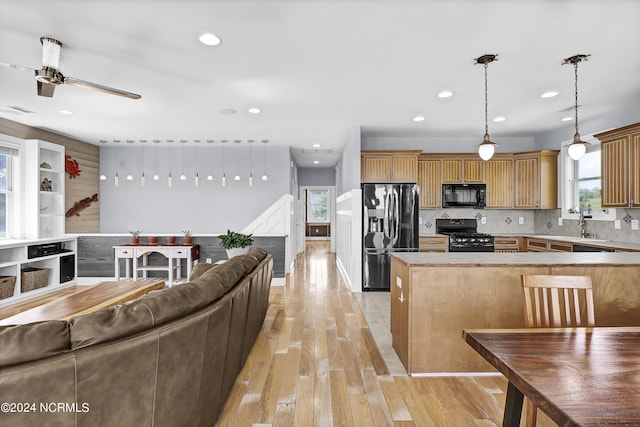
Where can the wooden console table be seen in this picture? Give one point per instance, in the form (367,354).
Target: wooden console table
(172,252)
(103,294)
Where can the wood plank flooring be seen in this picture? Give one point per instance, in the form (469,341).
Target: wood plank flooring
(315,363)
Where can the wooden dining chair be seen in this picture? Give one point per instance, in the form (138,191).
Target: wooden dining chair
(555,302)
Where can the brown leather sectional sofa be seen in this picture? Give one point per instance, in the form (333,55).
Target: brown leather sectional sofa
(168,358)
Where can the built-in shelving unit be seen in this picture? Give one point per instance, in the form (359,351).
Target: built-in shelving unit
(44,180)
(62,265)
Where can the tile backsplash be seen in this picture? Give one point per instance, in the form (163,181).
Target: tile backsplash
(546,222)
(514,221)
(507,221)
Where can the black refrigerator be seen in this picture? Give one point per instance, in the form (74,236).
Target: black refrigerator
(389,224)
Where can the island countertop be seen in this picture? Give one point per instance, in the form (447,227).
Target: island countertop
(494,259)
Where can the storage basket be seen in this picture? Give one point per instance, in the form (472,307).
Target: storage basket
(33,278)
(7,286)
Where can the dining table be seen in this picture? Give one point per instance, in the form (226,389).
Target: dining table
(577,376)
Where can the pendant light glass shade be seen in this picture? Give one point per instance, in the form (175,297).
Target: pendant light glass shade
(103,177)
(487,147)
(577,148)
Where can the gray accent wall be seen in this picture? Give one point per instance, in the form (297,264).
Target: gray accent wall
(96,254)
(207,209)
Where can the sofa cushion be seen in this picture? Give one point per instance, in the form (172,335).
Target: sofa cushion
(32,341)
(180,300)
(200,268)
(109,324)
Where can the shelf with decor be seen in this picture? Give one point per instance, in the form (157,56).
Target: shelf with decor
(30,268)
(44,189)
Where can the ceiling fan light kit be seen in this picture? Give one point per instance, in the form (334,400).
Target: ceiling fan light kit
(50,74)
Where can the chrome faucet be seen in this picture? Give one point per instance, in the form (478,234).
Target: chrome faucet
(583,225)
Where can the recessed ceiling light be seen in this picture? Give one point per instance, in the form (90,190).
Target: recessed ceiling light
(254,110)
(549,94)
(418,119)
(227,111)
(67,112)
(566,119)
(499,119)
(209,39)
(316,145)
(445,94)
(316,162)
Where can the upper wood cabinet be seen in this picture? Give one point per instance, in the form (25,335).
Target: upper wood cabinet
(620,167)
(389,166)
(430,182)
(498,175)
(536,180)
(457,169)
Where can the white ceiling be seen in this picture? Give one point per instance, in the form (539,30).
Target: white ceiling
(318,69)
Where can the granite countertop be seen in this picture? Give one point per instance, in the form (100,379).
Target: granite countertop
(471,259)
(601,243)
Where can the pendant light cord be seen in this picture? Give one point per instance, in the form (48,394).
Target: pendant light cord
(486,100)
(575,67)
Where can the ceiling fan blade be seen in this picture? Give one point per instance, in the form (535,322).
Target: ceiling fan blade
(17,67)
(100,88)
(45,89)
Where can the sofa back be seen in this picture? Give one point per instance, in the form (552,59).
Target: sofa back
(167,358)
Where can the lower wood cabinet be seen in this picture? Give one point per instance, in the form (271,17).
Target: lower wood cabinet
(434,244)
(506,244)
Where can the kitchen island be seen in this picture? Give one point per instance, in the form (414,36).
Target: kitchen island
(434,296)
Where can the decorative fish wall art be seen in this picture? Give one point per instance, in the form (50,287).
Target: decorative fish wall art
(81,205)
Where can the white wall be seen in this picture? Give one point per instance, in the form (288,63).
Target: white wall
(348,168)
(348,237)
(209,208)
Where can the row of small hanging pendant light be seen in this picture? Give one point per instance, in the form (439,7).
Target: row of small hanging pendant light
(576,149)
(196,178)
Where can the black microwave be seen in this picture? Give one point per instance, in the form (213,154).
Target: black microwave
(464,195)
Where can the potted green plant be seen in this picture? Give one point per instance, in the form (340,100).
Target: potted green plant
(135,237)
(187,237)
(235,243)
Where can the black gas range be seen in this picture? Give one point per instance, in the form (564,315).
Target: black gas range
(463,235)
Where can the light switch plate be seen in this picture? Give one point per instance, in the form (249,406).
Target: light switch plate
(483,220)
(420,220)
(616,224)
(634,224)
(560,221)
(520,220)
(399,282)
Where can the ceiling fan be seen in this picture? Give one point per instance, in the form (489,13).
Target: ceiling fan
(50,76)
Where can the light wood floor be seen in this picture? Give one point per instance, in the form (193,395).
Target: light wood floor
(315,363)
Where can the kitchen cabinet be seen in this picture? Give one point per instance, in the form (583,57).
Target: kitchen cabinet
(44,178)
(458,169)
(620,167)
(436,243)
(430,182)
(536,180)
(542,245)
(498,175)
(506,244)
(389,166)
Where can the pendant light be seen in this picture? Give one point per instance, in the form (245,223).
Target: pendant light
(142,178)
(237,176)
(116,179)
(210,176)
(170,177)
(250,141)
(224,174)
(578,147)
(183,177)
(103,176)
(129,175)
(264,160)
(156,177)
(487,147)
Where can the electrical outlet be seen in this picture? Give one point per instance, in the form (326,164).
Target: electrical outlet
(483,220)
(616,224)
(634,224)
(208,260)
(520,220)
(420,220)
(559,221)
